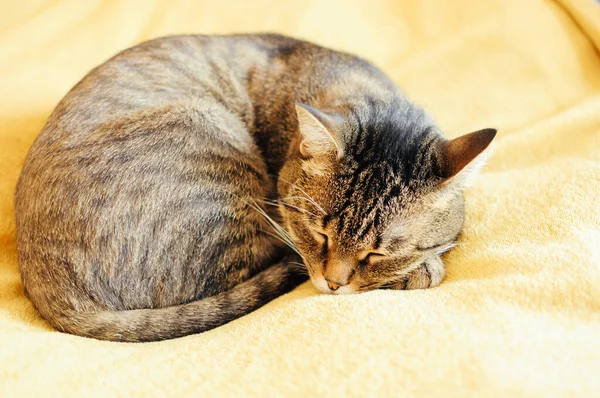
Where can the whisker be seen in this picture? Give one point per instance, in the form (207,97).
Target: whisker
(278,228)
(304,198)
(271,203)
(295,207)
(280,233)
(441,251)
(281,240)
(308,197)
(299,267)
(466,243)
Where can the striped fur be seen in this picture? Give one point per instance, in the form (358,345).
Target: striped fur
(142,207)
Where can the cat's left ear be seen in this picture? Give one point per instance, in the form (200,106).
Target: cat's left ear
(316,129)
(464,156)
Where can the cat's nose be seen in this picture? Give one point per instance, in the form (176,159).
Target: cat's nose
(333,285)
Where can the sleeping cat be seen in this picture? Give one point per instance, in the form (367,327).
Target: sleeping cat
(189,180)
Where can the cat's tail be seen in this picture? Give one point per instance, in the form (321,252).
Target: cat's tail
(194,317)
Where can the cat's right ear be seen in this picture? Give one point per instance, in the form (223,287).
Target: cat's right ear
(316,131)
(464,156)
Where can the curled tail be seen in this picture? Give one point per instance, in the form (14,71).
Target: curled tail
(181,320)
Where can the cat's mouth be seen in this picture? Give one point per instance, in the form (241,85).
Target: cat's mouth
(324,287)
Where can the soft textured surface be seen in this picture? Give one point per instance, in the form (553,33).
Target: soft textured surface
(519,313)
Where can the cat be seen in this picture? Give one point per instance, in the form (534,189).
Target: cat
(191,179)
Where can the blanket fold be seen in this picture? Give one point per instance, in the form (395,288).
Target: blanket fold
(519,312)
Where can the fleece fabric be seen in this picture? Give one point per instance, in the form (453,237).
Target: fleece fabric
(519,312)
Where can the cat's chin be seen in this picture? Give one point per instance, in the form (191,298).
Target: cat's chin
(321,285)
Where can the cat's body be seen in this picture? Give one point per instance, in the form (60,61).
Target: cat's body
(138,207)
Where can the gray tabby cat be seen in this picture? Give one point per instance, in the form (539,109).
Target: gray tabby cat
(147,207)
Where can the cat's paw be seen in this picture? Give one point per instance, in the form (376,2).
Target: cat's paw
(429,274)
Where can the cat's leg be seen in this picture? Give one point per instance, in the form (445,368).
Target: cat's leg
(429,274)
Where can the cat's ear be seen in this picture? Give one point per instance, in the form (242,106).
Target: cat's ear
(316,130)
(463,156)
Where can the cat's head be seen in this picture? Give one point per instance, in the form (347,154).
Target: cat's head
(369,193)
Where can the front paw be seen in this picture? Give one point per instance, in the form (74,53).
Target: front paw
(428,274)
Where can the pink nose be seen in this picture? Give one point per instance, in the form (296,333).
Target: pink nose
(333,285)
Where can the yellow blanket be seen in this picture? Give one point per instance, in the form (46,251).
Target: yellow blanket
(519,313)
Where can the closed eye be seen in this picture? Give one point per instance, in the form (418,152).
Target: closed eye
(320,237)
(371,257)
(324,241)
(324,238)
(375,256)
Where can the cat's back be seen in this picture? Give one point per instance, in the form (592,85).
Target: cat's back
(168,70)
(191,68)
(234,70)
(138,168)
